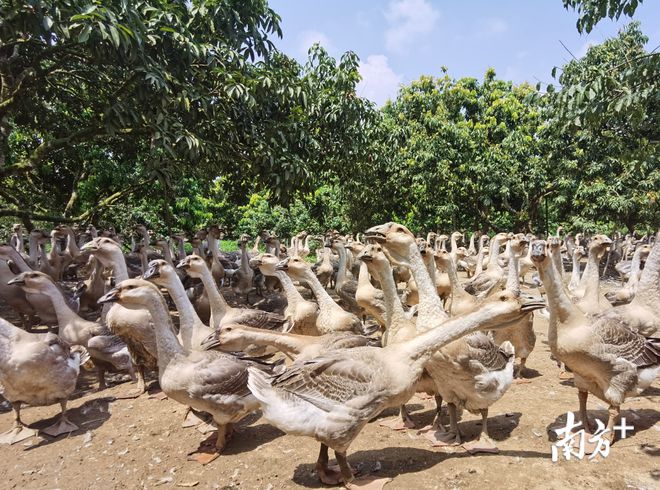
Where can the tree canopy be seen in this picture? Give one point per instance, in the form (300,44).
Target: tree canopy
(180,114)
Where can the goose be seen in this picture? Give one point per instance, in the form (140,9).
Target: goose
(221,312)
(345,286)
(482,284)
(134,327)
(332,397)
(472,372)
(242,284)
(521,334)
(331,317)
(577,253)
(39,370)
(460,301)
(300,313)
(107,351)
(325,270)
(368,297)
(641,314)
(16,241)
(208,381)
(607,359)
(587,293)
(192,330)
(399,327)
(625,294)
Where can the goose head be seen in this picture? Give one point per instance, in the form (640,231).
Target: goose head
(599,244)
(267,264)
(104,249)
(294,266)
(539,252)
(159,272)
(229,338)
(32,281)
(133,294)
(395,238)
(194,265)
(508,307)
(374,256)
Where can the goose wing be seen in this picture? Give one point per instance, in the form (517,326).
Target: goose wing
(258,319)
(217,375)
(483,351)
(327,382)
(617,340)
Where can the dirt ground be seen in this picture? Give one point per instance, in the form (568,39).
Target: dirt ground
(140,443)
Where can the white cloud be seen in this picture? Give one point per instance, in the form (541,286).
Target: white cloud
(494,25)
(379,82)
(307,38)
(408,19)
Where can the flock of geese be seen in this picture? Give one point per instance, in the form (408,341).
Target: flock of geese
(375,320)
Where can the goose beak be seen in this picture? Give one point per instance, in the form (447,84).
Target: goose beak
(111,296)
(538,251)
(375,233)
(89,247)
(183,265)
(211,342)
(532,304)
(19,280)
(152,273)
(282,265)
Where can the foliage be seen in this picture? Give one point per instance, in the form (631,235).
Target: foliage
(593,11)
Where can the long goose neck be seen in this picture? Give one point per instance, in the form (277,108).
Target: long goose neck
(34,250)
(591,274)
(293,296)
(182,249)
(561,307)
(167,254)
(635,265)
(456,288)
(575,273)
(18,259)
(71,244)
(341,273)
(494,253)
(648,288)
(512,281)
(118,264)
(65,315)
(218,303)
(245,258)
(285,342)
(363,276)
(394,313)
(167,344)
(430,307)
(420,349)
(480,260)
(188,318)
(213,245)
(322,297)
(255,248)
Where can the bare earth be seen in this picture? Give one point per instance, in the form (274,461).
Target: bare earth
(139,443)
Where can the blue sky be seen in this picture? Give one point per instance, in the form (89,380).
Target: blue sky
(400,40)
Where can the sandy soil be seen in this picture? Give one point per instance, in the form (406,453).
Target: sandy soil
(139,443)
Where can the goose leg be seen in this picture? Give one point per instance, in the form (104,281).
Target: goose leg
(62,426)
(100,374)
(442,437)
(224,434)
(437,422)
(614,413)
(19,432)
(484,443)
(584,418)
(346,471)
(326,475)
